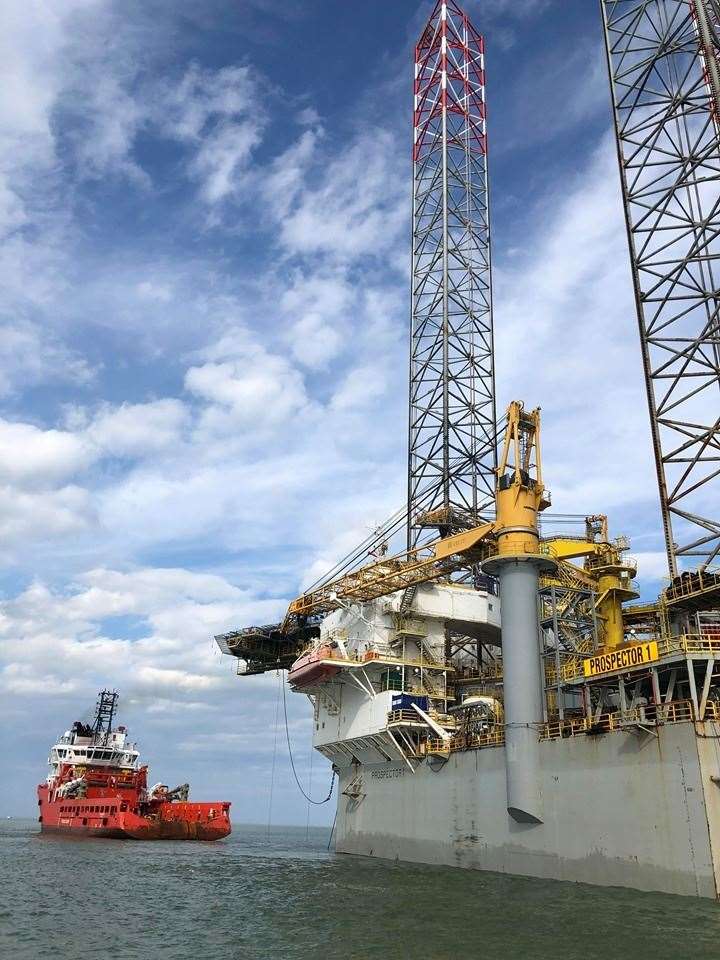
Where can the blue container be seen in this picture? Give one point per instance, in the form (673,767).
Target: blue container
(404,701)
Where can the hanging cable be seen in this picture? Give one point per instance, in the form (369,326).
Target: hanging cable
(274,756)
(307,820)
(332,831)
(317,803)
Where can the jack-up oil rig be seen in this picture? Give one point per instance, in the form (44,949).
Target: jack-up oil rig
(492,697)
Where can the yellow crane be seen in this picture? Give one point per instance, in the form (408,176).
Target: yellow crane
(520,498)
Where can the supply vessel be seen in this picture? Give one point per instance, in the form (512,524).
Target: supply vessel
(96,787)
(494,691)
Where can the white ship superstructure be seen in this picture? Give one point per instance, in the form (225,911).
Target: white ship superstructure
(83,745)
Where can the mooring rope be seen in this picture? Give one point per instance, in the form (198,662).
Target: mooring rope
(318,803)
(274,756)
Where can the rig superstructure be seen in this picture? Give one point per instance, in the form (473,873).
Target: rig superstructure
(490,696)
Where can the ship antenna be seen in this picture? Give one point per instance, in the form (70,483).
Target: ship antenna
(104,714)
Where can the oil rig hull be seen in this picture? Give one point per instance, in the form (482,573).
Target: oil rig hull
(611,812)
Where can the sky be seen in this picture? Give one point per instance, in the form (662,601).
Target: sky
(204,272)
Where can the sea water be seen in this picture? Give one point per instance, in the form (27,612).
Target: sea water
(282,894)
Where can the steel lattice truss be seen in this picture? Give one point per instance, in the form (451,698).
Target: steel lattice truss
(452,450)
(662,58)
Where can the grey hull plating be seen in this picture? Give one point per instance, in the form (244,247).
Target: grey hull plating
(626,809)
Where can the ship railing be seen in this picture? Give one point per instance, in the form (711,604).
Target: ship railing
(571,667)
(470,741)
(494,737)
(712,711)
(647,715)
(678,711)
(693,584)
(372,656)
(410,716)
(704,643)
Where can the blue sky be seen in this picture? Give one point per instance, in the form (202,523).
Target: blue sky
(204,249)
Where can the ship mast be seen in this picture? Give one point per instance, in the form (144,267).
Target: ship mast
(105,710)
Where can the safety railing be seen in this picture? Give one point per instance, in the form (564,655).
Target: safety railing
(712,711)
(570,668)
(410,716)
(678,711)
(693,584)
(374,656)
(403,716)
(705,643)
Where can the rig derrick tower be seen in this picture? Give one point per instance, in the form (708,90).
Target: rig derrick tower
(452,456)
(665,79)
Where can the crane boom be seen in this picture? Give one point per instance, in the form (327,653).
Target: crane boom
(441,558)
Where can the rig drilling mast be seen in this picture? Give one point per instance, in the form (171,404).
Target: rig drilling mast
(452,447)
(665,80)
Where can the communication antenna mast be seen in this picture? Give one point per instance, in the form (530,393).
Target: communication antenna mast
(665,79)
(452,442)
(104,714)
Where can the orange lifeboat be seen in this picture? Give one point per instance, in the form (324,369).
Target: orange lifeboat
(312,667)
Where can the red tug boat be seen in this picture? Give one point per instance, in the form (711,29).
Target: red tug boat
(96,788)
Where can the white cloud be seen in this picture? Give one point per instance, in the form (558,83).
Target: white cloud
(222,114)
(148,290)
(28,518)
(222,158)
(357,205)
(566,339)
(109,121)
(318,308)
(360,388)
(206,96)
(136,429)
(284,179)
(249,387)
(652,565)
(31,356)
(67,637)
(39,457)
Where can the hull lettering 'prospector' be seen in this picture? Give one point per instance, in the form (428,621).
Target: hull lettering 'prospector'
(623,659)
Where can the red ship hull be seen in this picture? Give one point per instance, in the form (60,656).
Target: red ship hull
(112,808)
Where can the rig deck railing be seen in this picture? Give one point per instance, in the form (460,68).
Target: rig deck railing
(648,715)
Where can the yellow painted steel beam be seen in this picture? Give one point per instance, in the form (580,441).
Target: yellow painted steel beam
(390,574)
